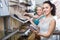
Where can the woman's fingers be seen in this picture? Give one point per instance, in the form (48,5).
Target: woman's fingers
(27,17)
(33,29)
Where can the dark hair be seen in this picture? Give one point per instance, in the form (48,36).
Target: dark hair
(35,11)
(53,11)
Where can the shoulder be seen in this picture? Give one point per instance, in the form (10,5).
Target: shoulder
(55,17)
(53,21)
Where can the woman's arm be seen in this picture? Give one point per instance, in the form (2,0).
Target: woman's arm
(35,16)
(50,30)
(30,15)
(32,23)
(37,28)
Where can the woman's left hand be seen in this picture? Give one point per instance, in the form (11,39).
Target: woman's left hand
(36,32)
(27,17)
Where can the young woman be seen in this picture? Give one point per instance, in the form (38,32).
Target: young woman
(47,26)
(38,15)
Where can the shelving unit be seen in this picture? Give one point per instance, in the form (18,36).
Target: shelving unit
(10,22)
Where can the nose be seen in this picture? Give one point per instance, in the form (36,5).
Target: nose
(44,9)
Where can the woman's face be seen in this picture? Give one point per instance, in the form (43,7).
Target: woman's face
(46,9)
(39,10)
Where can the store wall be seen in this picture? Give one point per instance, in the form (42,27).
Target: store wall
(40,1)
(57,4)
(4,8)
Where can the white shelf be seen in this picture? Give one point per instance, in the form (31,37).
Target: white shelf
(14,1)
(13,4)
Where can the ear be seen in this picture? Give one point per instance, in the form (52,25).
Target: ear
(51,8)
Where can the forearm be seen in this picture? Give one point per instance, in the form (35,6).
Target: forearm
(32,23)
(44,35)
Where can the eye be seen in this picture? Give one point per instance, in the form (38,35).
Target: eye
(46,7)
(43,8)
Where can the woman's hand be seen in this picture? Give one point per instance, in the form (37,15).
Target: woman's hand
(35,31)
(27,17)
